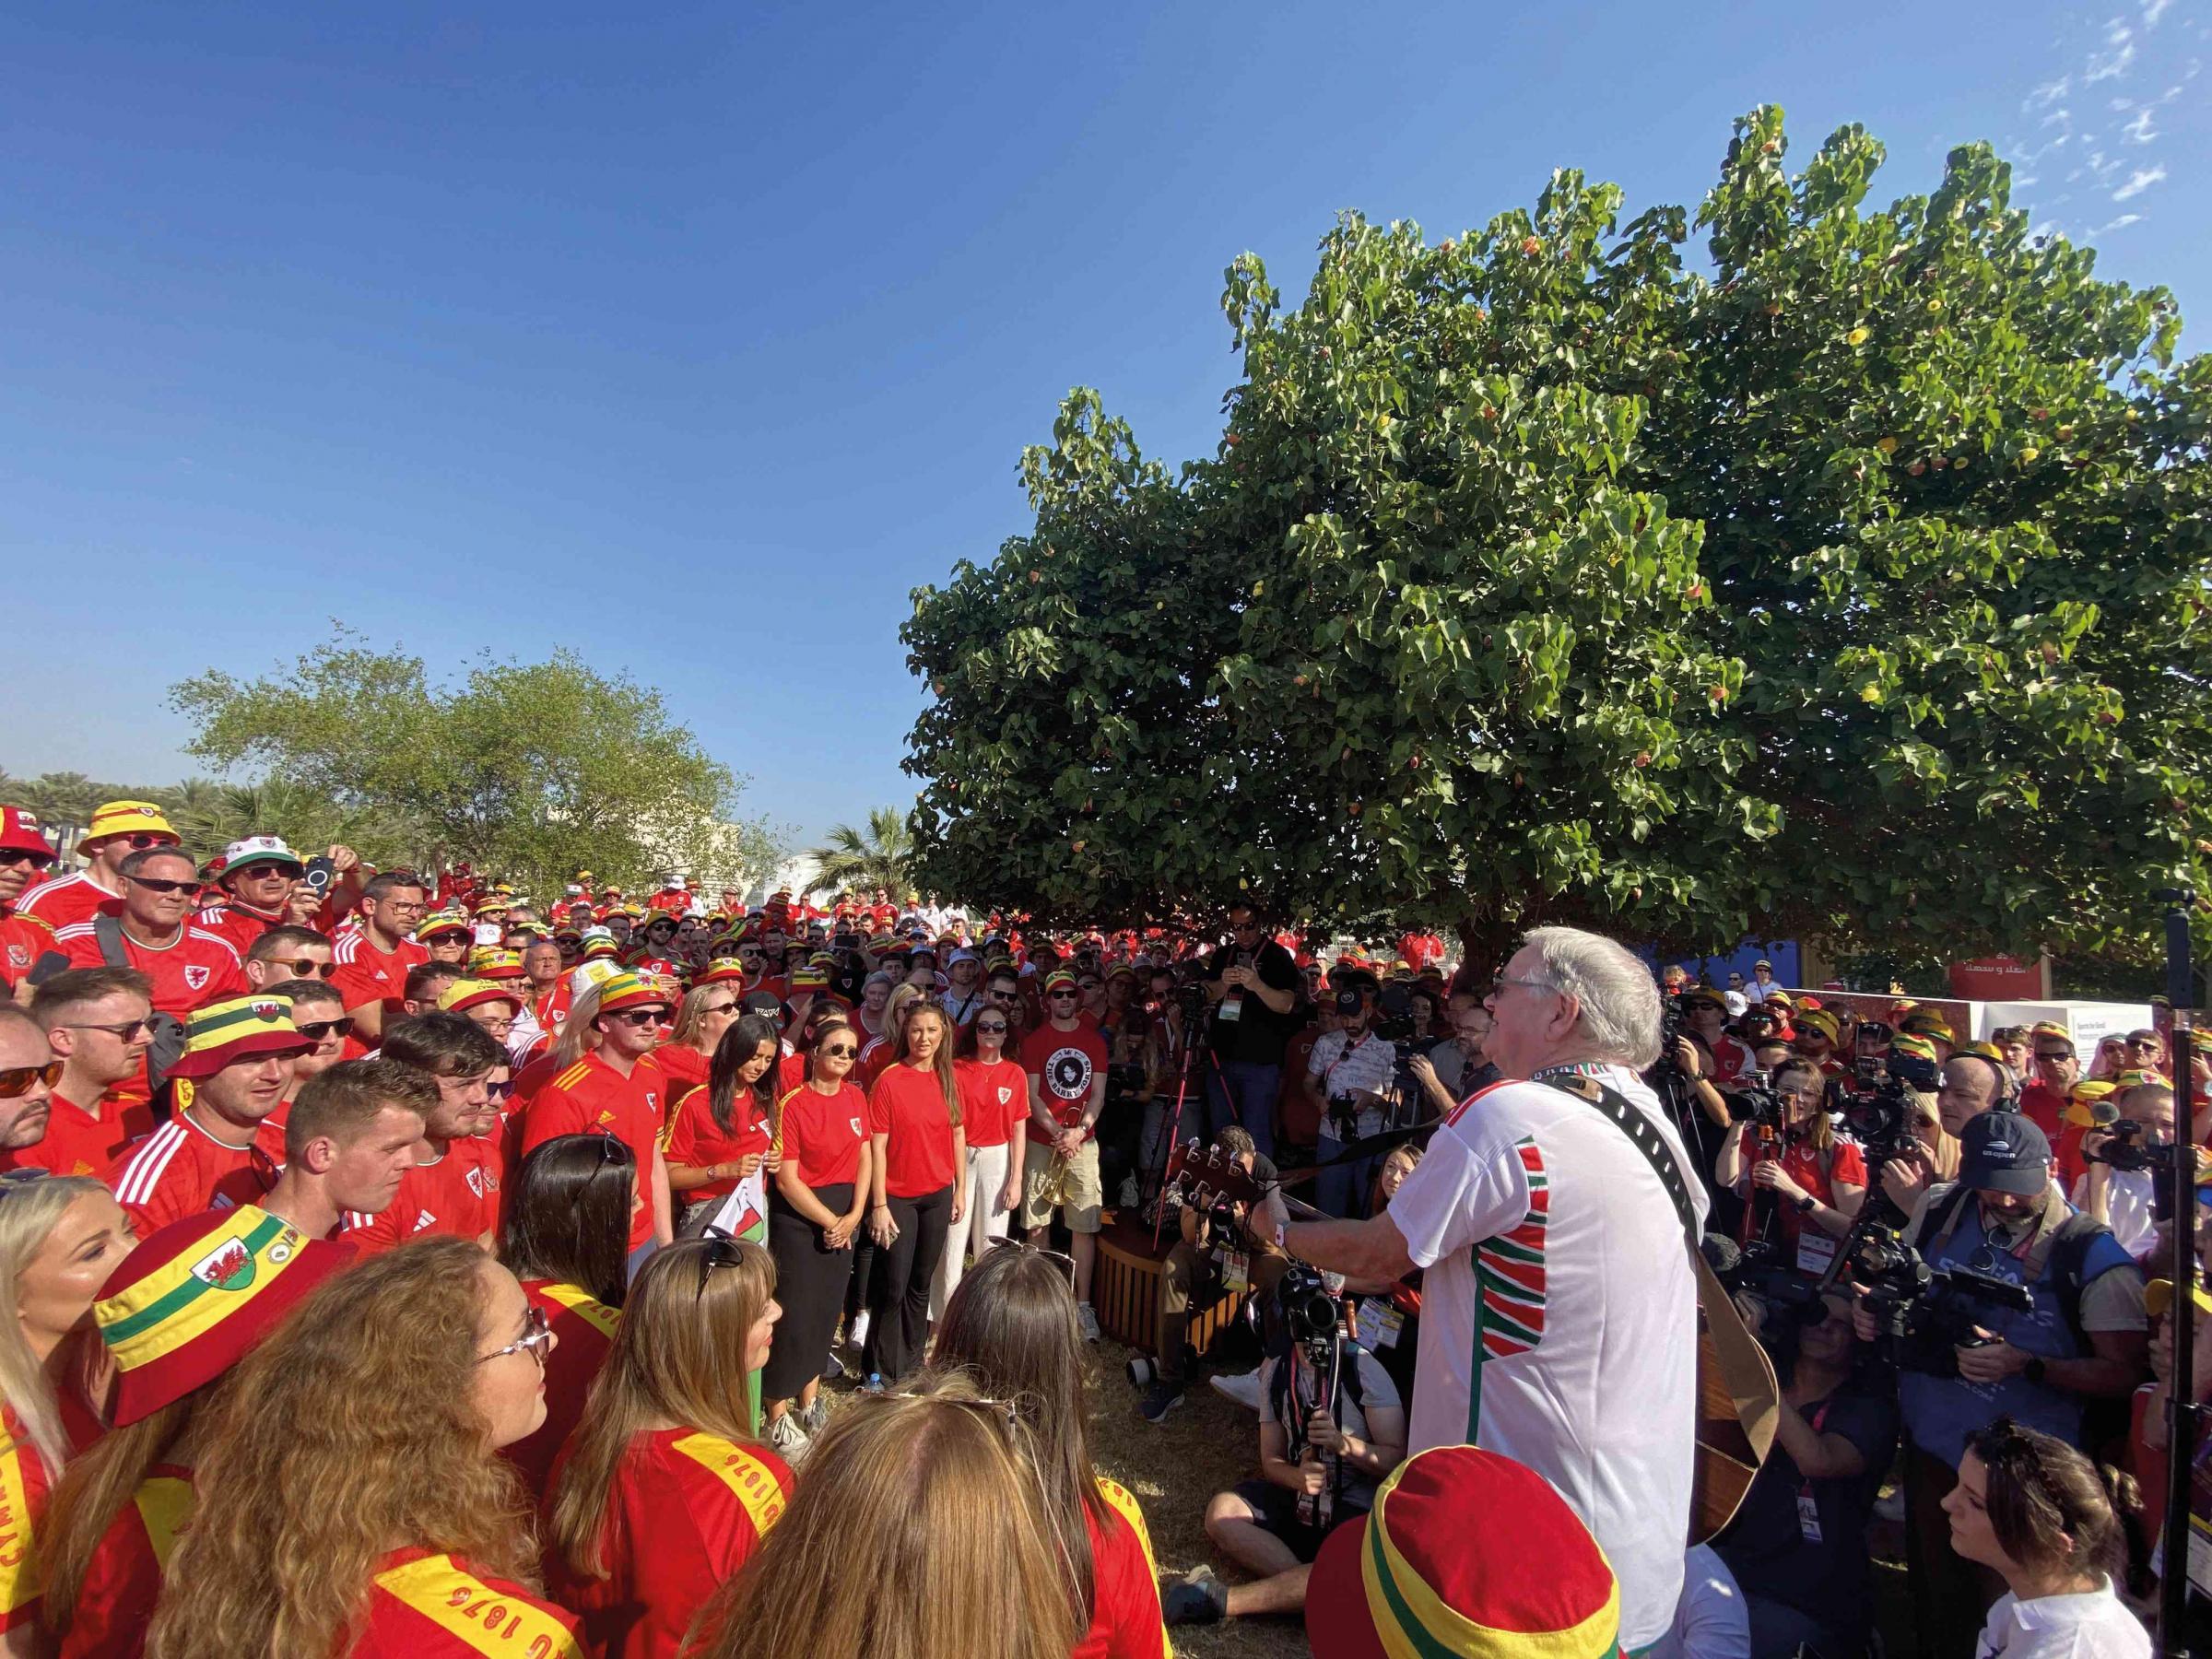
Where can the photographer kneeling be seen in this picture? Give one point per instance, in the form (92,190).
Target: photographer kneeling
(1798,1546)
(1967,1361)
(1216,1255)
(1332,1428)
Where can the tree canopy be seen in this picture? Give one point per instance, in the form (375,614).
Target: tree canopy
(532,769)
(1853,587)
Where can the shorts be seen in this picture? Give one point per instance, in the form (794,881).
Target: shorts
(1276,1508)
(1081,1192)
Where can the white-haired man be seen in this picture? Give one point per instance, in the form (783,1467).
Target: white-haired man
(1558,1311)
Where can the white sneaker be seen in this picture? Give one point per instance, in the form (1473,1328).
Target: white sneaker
(857,1336)
(1088,1321)
(788,1441)
(814,1419)
(1243,1390)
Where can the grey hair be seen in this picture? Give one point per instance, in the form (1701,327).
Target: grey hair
(1616,996)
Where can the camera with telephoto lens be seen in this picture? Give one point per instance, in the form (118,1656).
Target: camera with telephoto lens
(1753,1099)
(1309,1312)
(1925,1314)
(1760,1272)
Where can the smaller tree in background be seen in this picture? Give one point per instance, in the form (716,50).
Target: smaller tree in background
(881,855)
(534,771)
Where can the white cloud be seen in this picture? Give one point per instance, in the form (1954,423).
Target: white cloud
(2108,66)
(2121,223)
(2049,93)
(2140,182)
(2153,10)
(2139,131)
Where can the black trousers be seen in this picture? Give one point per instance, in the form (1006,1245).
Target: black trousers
(898,1301)
(811,1283)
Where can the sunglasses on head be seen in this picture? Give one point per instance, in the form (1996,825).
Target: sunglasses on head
(719,1248)
(19,1080)
(153,884)
(315,1030)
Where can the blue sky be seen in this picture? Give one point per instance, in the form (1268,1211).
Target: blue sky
(695,337)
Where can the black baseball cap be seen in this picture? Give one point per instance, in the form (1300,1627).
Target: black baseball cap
(2004,1152)
(1349,1001)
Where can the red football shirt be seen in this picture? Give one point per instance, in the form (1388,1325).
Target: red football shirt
(180,1169)
(365,974)
(198,968)
(685,1510)
(994,1099)
(122,1580)
(237,924)
(1125,1621)
(81,1142)
(25,1488)
(457,1195)
(687,1067)
(583,1329)
(822,1134)
(437,1607)
(695,1140)
(908,1106)
(69,899)
(23,940)
(592,1097)
(1063,1063)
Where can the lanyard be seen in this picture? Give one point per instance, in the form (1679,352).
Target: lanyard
(1804,1484)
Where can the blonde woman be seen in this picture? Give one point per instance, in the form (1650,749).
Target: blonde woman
(919,1182)
(662,1493)
(60,1238)
(706,1012)
(917,1534)
(348,1491)
(877,1052)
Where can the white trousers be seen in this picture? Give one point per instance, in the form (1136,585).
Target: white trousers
(986,1219)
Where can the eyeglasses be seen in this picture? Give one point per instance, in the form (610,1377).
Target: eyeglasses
(153,884)
(308,969)
(720,1251)
(1066,1263)
(839,1051)
(10,857)
(536,1334)
(496,1026)
(129,1030)
(1503,980)
(19,1080)
(315,1030)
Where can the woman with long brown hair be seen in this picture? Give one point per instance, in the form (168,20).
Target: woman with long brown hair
(919,1186)
(566,1236)
(916,1534)
(813,1231)
(1011,1327)
(662,1493)
(348,1494)
(719,1132)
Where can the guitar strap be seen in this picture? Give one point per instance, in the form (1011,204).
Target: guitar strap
(1746,1370)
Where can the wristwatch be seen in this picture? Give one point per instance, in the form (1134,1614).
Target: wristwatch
(2033,1370)
(1806,1205)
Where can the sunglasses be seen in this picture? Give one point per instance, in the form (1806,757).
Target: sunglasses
(536,1334)
(19,1080)
(2046,1057)
(640,1017)
(499,1092)
(10,857)
(156,885)
(728,1007)
(287,871)
(315,1030)
(129,1030)
(308,969)
(988,1029)
(1061,996)
(839,1051)
(721,1250)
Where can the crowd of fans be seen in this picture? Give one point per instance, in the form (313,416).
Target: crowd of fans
(401,1266)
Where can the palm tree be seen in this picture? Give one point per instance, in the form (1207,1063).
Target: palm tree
(864,861)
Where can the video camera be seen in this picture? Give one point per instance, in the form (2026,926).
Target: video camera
(1753,1099)
(2126,1149)
(1762,1272)
(1310,1311)
(1876,1109)
(1925,1314)
(1394,1016)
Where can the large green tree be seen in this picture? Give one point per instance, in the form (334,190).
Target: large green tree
(1853,588)
(533,770)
